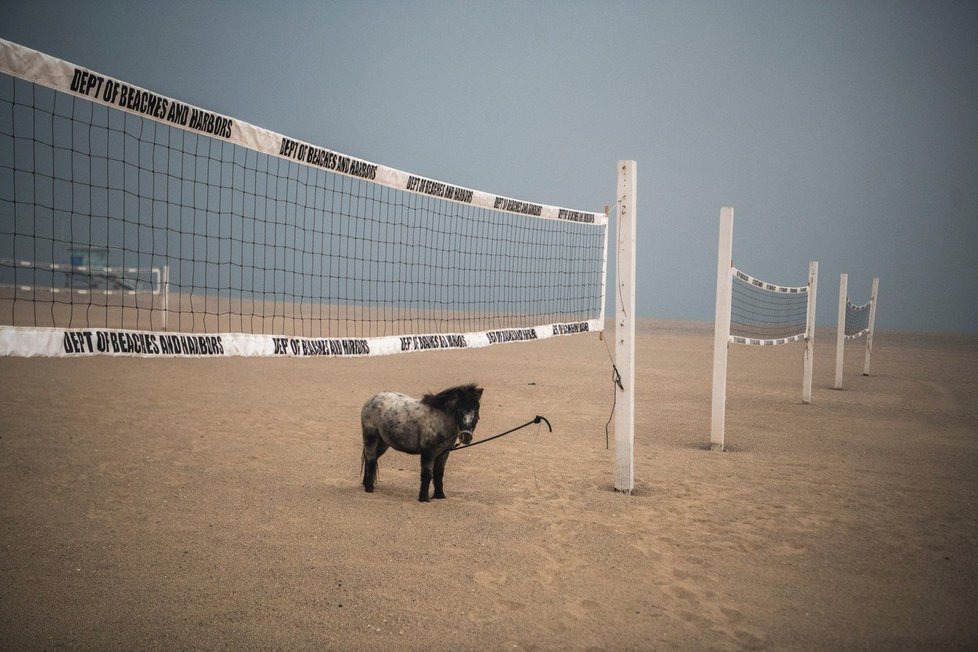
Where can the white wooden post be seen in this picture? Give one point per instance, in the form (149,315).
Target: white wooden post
(872,324)
(604,277)
(721,329)
(625,329)
(166,293)
(806,383)
(840,333)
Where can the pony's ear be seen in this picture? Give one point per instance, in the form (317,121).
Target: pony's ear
(478,392)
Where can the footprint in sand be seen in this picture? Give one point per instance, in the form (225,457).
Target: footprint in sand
(790,549)
(511,605)
(684,594)
(582,608)
(732,615)
(487,580)
(646,551)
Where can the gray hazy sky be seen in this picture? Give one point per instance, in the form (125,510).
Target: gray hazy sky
(841,131)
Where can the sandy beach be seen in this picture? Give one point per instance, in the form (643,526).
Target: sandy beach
(216,504)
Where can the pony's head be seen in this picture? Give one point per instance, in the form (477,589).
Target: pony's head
(462,403)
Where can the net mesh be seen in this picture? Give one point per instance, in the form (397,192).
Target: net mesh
(857,319)
(763,311)
(255,243)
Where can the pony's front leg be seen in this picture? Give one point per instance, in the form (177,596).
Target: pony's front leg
(427,465)
(440,474)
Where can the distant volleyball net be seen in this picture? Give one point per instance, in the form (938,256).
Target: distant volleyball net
(855,321)
(765,314)
(756,313)
(136,224)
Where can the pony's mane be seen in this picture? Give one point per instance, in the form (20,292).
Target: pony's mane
(448,398)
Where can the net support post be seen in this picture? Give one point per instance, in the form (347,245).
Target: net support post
(872,323)
(604,277)
(840,333)
(721,329)
(806,383)
(166,293)
(625,329)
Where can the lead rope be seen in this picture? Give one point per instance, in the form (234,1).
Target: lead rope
(536,419)
(615,380)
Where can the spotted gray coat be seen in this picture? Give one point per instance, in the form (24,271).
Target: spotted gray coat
(429,427)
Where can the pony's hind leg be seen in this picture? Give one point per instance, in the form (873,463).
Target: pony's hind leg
(373,448)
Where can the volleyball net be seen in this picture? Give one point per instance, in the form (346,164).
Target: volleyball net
(132,223)
(855,321)
(756,313)
(765,314)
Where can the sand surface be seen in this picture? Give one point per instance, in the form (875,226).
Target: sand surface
(174,504)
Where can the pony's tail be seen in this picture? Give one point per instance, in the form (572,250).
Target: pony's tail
(363,468)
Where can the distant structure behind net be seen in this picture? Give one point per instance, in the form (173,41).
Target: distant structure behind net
(136,224)
(854,322)
(756,313)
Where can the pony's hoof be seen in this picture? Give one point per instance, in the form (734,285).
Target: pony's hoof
(439,495)
(424,499)
(369,490)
